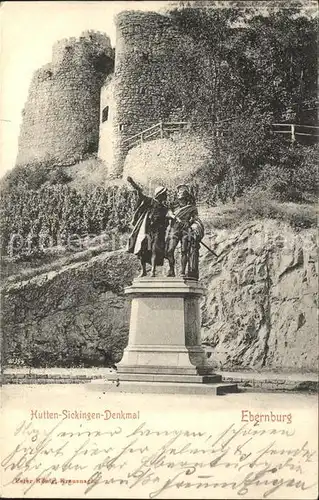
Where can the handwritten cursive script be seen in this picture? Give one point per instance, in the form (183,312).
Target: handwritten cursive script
(240,459)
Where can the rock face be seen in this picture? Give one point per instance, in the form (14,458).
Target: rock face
(260,310)
(261,304)
(74,316)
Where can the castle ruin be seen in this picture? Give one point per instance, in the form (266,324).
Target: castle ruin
(92,98)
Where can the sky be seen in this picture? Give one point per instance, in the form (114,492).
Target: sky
(28,32)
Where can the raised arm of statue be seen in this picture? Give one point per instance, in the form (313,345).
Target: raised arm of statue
(134,185)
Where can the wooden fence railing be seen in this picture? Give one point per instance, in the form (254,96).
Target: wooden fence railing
(219,129)
(295,129)
(159,129)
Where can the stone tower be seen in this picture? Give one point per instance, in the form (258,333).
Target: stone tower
(162,73)
(61,117)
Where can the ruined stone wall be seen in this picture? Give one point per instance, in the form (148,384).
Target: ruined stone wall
(61,116)
(161,74)
(167,161)
(106,147)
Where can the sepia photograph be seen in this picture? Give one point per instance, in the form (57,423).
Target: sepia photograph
(159,249)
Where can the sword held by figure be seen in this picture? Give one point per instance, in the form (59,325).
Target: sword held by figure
(211,251)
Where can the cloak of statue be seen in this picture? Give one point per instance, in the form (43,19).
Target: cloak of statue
(149,226)
(182,217)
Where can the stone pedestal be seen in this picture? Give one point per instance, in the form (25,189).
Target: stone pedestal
(164,335)
(164,352)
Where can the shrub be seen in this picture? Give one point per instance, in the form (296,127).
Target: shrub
(257,204)
(250,155)
(27,177)
(59,176)
(295,175)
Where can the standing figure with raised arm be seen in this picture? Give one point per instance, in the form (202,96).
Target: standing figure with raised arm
(147,239)
(186,228)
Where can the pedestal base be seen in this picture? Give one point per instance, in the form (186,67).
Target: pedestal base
(156,387)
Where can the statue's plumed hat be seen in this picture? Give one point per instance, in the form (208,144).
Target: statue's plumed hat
(159,191)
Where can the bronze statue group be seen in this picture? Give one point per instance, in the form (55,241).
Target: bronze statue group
(158,228)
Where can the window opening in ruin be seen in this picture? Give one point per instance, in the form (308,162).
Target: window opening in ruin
(105,114)
(121,127)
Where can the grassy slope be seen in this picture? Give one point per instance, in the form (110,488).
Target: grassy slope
(231,215)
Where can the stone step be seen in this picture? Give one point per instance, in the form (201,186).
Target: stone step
(216,389)
(166,377)
(169,370)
